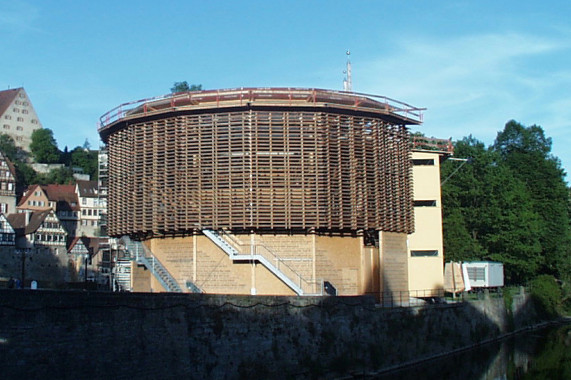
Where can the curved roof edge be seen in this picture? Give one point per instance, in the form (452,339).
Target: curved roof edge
(262,97)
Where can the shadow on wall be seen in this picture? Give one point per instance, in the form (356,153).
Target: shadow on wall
(43,265)
(207,336)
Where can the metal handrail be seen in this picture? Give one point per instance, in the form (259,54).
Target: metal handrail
(169,282)
(308,286)
(264,96)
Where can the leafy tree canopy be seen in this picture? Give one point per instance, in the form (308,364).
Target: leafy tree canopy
(184,87)
(8,147)
(510,204)
(85,159)
(60,176)
(44,146)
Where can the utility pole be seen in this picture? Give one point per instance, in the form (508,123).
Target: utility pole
(23,266)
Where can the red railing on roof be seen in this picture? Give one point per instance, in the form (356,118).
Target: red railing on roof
(432,143)
(262,96)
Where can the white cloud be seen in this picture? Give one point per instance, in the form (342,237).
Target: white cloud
(475,84)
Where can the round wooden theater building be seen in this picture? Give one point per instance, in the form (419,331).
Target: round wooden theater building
(264,190)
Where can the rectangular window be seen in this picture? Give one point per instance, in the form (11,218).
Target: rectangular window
(423,162)
(424,253)
(428,203)
(6,126)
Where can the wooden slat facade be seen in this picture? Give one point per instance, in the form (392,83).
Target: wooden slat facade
(259,169)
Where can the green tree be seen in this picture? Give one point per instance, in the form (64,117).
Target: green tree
(488,213)
(8,147)
(510,226)
(25,176)
(86,160)
(527,152)
(60,176)
(184,87)
(44,146)
(463,196)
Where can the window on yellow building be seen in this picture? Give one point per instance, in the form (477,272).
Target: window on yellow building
(425,203)
(423,162)
(424,253)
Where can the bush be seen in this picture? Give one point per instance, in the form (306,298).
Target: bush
(547,295)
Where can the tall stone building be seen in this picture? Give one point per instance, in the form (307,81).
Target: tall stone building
(18,118)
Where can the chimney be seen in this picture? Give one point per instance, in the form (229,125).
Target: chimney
(28,216)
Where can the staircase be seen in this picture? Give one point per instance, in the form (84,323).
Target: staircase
(259,252)
(142,255)
(123,275)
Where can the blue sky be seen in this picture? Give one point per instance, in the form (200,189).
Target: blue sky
(473,64)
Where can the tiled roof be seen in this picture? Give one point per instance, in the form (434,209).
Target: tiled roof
(18,222)
(91,243)
(7,97)
(87,189)
(27,193)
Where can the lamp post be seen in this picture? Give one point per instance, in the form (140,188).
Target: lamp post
(85,256)
(22,251)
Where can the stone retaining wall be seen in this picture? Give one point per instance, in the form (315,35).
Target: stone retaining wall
(141,335)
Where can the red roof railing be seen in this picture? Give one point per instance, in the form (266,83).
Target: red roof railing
(263,97)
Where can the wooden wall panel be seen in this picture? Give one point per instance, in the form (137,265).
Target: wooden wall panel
(270,169)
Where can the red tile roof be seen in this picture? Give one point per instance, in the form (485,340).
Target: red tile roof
(7,97)
(64,196)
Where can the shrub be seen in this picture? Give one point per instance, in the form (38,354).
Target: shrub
(547,295)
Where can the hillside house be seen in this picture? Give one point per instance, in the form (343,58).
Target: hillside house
(91,205)
(60,198)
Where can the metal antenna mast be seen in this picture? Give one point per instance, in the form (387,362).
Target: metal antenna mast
(348,82)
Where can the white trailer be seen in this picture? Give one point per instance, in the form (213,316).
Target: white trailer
(485,274)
